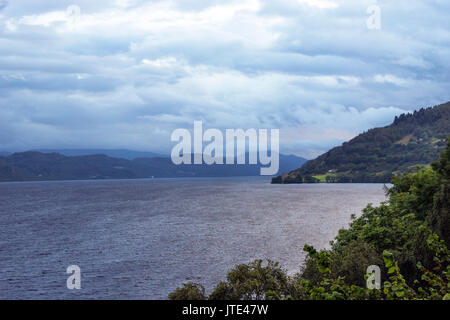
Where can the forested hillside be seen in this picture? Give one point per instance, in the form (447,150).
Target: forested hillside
(379,154)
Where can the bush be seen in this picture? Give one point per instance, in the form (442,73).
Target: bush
(251,281)
(189,291)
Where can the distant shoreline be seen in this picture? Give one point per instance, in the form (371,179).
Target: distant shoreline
(185,178)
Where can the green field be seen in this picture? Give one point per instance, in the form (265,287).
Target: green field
(323,177)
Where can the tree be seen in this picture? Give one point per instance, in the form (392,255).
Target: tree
(189,291)
(251,281)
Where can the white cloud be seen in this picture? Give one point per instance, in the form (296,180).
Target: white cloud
(415,62)
(162,62)
(389,78)
(46,19)
(321,4)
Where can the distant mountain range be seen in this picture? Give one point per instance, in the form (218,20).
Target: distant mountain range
(114,153)
(34,166)
(380,153)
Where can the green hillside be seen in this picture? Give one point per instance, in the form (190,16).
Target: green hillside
(379,154)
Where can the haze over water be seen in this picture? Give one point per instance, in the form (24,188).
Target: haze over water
(140,239)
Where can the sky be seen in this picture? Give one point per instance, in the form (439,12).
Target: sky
(126,73)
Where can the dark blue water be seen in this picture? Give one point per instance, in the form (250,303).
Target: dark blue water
(141,239)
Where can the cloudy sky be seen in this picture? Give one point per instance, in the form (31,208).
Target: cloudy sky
(125,73)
